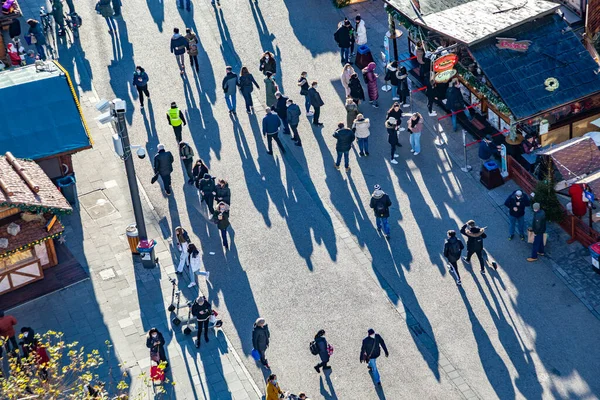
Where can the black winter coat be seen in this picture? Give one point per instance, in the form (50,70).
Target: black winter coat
(385,202)
(342,36)
(223,194)
(207,186)
(356,90)
(260,337)
(454,99)
(281,107)
(538,225)
(246,82)
(512,202)
(453,257)
(157,344)
(392,136)
(268,66)
(163,162)
(315,98)
(474,241)
(344,137)
(371,347)
(202,312)
(322,345)
(198,171)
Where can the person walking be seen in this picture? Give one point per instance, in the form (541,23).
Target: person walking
(392,130)
(106,11)
(456,102)
(222,192)
(453,248)
(59,15)
(280,108)
(344,137)
(303,83)
(37,36)
(323,348)
(206,186)
(538,227)
(270,129)
(194,260)
(140,81)
(403,88)
(356,91)
(270,89)
(361,131)
(351,111)
(391,76)
(247,83)
(179,46)
(342,38)
(186,153)
(260,340)
(371,79)
(273,391)
(381,203)
(293,118)
(7,333)
(176,120)
(361,31)
(347,73)
(415,127)
(221,216)
(202,310)
(475,236)
(188,6)
(316,102)
(182,241)
(516,204)
(192,49)
(268,63)
(371,350)
(230,84)
(163,167)
(155,341)
(199,170)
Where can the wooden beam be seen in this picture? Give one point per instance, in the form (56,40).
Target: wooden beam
(19,170)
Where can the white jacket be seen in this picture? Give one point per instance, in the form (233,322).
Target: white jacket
(362,128)
(195,262)
(361,33)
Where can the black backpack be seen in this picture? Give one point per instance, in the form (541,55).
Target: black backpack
(314,348)
(380,206)
(454,249)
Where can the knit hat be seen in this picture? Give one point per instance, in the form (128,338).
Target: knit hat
(378,193)
(371,331)
(536,206)
(519,193)
(377,187)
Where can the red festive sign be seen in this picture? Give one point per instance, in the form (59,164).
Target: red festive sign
(445,63)
(513,44)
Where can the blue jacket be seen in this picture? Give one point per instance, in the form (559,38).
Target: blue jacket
(271,123)
(486,151)
(179,44)
(230,83)
(293,114)
(141,79)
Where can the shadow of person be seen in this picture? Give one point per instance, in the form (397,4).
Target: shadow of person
(266,40)
(74,61)
(228,52)
(328,392)
(122,67)
(157,11)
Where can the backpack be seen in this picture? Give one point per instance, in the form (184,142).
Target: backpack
(454,249)
(314,349)
(193,46)
(380,207)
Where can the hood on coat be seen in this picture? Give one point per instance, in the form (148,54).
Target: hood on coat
(176,36)
(378,193)
(390,68)
(475,231)
(371,67)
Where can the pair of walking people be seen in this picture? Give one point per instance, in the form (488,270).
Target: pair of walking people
(189,256)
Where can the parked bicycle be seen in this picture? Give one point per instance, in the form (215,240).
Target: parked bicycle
(46,20)
(73,21)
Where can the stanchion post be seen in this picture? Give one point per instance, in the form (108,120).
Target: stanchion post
(467,167)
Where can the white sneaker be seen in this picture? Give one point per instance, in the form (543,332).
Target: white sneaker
(192,284)
(402,129)
(310,114)
(395,98)
(405,105)
(396,156)
(433,114)
(207,275)
(416,153)
(394,162)
(412,150)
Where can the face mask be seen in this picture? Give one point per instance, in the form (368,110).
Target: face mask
(267,58)
(138,71)
(315,86)
(275,381)
(154,335)
(25,334)
(372,336)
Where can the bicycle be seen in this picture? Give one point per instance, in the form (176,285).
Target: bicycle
(73,22)
(47,27)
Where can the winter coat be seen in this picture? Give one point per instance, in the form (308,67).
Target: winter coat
(474,239)
(281,107)
(270,89)
(163,163)
(345,79)
(487,150)
(395,114)
(454,98)
(58,13)
(303,86)
(260,337)
(361,33)
(361,128)
(230,83)
(371,347)
(344,137)
(293,114)
(342,36)
(247,83)
(322,346)
(192,43)
(7,326)
(140,79)
(371,79)
(268,66)
(315,98)
(402,76)
(222,219)
(186,152)
(207,185)
(380,203)
(512,202)
(273,391)
(105,8)
(450,242)
(179,44)
(270,124)
(538,224)
(198,171)
(223,193)
(351,113)
(356,90)
(157,345)
(392,135)
(418,128)
(202,312)
(390,75)
(36,31)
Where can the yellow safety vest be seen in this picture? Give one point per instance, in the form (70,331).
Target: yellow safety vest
(174,117)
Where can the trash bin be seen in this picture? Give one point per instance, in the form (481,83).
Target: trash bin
(133,238)
(66,184)
(363,56)
(595,253)
(146,250)
(490,175)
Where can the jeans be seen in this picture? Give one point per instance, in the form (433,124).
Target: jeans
(296,136)
(183,257)
(538,245)
(112,25)
(415,142)
(467,113)
(248,100)
(230,99)
(374,370)
(383,221)
(307,103)
(42,51)
(363,144)
(345,54)
(224,237)
(194,61)
(394,91)
(180,60)
(141,91)
(187,5)
(286,126)
(316,115)
(275,137)
(188,164)
(514,221)
(393,150)
(339,158)
(479,254)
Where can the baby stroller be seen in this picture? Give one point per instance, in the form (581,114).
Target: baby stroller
(157,372)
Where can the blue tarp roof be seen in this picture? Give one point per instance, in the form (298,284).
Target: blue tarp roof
(519,76)
(40,117)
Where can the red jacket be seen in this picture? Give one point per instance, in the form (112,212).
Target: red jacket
(7,324)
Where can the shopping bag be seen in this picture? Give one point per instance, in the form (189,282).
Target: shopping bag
(255,354)
(530,236)
(154,356)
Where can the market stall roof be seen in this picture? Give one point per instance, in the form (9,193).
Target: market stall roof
(24,185)
(594,182)
(522,78)
(30,232)
(41,116)
(424,7)
(575,158)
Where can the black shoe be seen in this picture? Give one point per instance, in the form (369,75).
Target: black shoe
(299,144)
(466,261)
(361,154)
(317,369)
(270,153)
(197,344)
(190,181)
(494,265)
(369,368)
(168,192)
(387,237)
(206,339)
(483,272)
(399,145)
(286,133)
(366,153)
(327,367)
(178,273)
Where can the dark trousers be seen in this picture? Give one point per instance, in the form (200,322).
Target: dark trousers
(263,357)
(202,324)
(178,130)
(275,137)
(286,126)
(403,96)
(538,245)
(393,150)
(209,199)
(339,158)
(430,100)
(13,345)
(224,237)
(141,91)
(248,100)
(322,364)
(317,114)
(194,62)
(296,136)
(479,254)
(188,164)
(455,267)
(166,182)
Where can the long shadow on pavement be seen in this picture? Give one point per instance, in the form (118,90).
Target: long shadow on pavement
(266,40)
(122,67)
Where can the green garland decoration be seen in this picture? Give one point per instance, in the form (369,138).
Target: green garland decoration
(341,3)
(37,209)
(8,253)
(483,89)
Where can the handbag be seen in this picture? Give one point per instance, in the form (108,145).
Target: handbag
(154,178)
(255,355)
(364,357)
(531,237)
(32,39)
(154,356)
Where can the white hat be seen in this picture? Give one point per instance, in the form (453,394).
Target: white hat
(391,121)
(160,147)
(519,193)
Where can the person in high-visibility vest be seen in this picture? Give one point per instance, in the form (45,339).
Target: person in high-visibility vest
(176,119)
